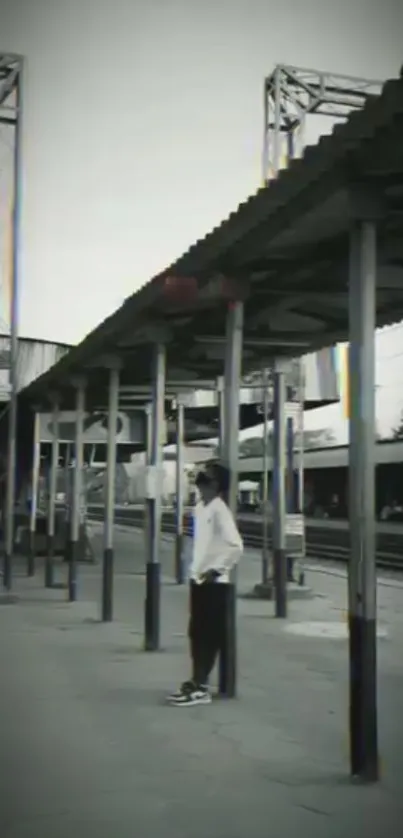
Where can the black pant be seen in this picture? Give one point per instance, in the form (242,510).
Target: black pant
(208,603)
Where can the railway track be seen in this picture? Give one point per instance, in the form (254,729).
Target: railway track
(330,543)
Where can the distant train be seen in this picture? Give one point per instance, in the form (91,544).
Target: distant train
(326,480)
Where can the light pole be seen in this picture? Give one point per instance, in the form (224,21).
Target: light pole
(10,113)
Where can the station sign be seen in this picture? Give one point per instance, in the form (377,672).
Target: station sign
(294,524)
(151,482)
(5,387)
(154,476)
(253,385)
(130,427)
(295,535)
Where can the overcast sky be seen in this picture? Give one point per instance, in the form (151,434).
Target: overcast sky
(143,129)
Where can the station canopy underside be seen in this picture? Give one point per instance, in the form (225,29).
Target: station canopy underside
(202,423)
(284,252)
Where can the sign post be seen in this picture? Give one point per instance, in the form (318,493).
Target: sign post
(265,482)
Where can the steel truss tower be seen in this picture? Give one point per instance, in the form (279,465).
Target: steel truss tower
(293,93)
(10,114)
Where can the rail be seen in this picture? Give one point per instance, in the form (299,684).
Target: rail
(330,543)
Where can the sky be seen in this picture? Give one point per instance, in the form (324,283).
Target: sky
(388,391)
(143,129)
(388,395)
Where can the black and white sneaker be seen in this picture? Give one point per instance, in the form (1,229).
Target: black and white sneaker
(186,687)
(191,697)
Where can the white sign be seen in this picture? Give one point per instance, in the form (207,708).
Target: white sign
(151,482)
(185,399)
(130,427)
(294,525)
(164,433)
(292,410)
(5,390)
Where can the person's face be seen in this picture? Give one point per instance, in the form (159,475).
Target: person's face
(207,487)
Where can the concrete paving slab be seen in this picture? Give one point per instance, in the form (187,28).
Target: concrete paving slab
(88,745)
(335,631)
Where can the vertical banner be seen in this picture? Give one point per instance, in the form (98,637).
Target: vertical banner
(343,372)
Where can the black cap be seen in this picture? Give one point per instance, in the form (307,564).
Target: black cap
(215,472)
(222,475)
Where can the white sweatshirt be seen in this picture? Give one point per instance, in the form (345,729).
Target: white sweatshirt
(217,544)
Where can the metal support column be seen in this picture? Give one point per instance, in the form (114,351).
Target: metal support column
(180,477)
(290,485)
(290,146)
(36,461)
(265,486)
(301,445)
(301,135)
(155,470)
(221,413)
(361,567)
(149,436)
(232,382)
(67,502)
(291,507)
(277,124)
(110,493)
(52,488)
(9,519)
(279,494)
(77,492)
(301,473)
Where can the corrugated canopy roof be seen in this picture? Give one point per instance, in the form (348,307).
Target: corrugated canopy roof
(284,250)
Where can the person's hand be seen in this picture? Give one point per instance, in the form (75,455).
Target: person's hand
(210,576)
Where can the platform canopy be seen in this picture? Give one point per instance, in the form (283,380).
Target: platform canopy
(284,251)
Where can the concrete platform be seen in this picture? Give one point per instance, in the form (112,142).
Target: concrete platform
(294,591)
(7,598)
(89,747)
(328,630)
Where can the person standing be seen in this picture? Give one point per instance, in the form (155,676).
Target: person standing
(217,547)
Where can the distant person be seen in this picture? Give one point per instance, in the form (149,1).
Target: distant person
(386,512)
(217,547)
(391,511)
(334,508)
